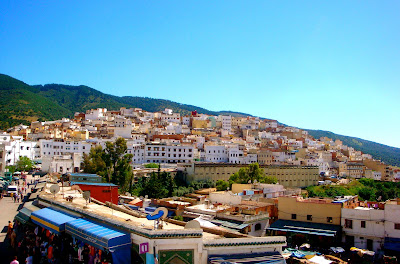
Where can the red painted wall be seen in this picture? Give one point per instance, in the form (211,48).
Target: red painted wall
(101,193)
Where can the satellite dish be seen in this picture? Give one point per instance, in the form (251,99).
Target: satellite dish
(86,195)
(159,213)
(194,224)
(54,189)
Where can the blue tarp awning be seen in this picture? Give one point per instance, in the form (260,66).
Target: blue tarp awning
(51,219)
(392,243)
(305,228)
(97,235)
(253,258)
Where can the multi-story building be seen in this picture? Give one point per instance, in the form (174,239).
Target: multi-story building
(61,147)
(16,148)
(265,157)
(314,221)
(162,153)
(137,151)
(373,226)
(167,116)
(377,165)
(215,153)
(363,227)
(288,176)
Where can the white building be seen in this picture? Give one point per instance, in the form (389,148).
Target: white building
(364,226)
(61,147)
(185,120)
(167,116)
(162,153)
(215,153)
(226,121)
(62,163)
(372,228)
(94,114)
(16,148)
(137,151)
(392,220)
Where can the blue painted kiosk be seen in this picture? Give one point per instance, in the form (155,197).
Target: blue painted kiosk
(118,243)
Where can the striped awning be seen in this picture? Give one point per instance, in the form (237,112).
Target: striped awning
(97,235)
(51,219)
(253,258)
(305,228)
(24,214)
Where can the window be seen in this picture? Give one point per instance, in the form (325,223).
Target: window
(397,226)
(362,224)
(309,217)
(257,227)
(294,216)
(348,223)
(329,219)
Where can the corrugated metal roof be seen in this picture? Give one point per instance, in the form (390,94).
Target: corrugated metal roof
(84,175)
(94,183)
(228,224)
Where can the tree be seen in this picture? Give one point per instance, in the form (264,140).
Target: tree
(222,185)
(152,165)
(25,164)
(154,187)
(268,180)
(112,163)
(94,162)
(11,168)
(248,174)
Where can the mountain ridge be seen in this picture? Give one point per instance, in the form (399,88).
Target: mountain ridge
(24,103)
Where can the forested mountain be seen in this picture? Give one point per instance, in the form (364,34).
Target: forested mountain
(23,103)
(389,155)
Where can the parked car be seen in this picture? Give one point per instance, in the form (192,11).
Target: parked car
(12,189)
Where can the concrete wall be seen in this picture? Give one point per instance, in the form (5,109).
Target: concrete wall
(319,211)
(225,198)
(288,176)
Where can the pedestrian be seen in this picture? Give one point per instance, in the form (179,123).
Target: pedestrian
(9,229)
(15,261)
(29,258)
(13,239)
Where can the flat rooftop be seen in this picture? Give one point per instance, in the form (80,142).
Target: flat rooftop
(106,212)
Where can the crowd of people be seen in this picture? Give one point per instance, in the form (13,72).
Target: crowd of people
(36,245)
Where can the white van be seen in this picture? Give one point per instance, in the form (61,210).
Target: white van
(12,189)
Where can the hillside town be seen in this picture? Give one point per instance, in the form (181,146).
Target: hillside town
(94,221)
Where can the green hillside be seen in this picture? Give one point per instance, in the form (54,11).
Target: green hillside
(19,104)
(389,155)
(23,103)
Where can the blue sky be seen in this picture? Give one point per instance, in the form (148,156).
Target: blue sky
(331,65)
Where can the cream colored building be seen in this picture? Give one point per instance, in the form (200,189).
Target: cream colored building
(288,176)
(312,210)
(265,157)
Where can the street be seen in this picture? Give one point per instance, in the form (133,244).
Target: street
(8,210)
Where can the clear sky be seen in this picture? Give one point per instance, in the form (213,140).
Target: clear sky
(331,65)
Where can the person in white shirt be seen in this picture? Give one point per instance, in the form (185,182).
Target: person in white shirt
(29,259)
(15,261)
